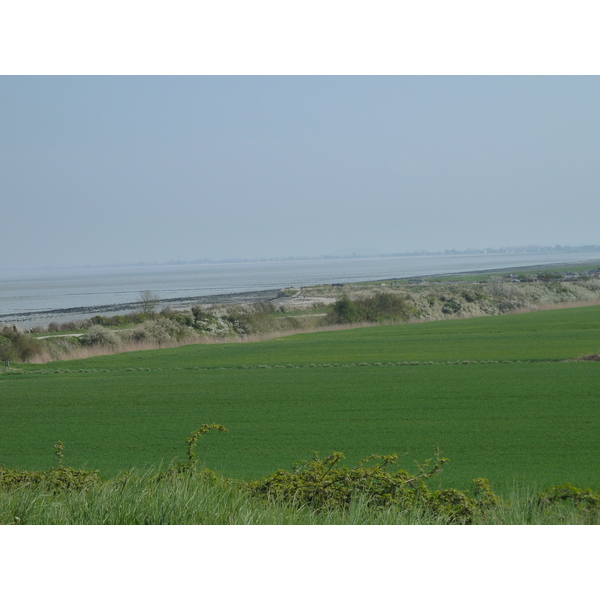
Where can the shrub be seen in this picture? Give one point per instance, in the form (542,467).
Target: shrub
(16,345)
(98,335)
(505,296)
(473,296)
(264,307)
(208,322)
(451,306)
(72,325)
(56,479)
(257,318)
(200,314)
(161,330)
(138,317)
(344,311)
(583,498)
(383,306)
(183,319)
(6,350)
(322,484)
(99,320)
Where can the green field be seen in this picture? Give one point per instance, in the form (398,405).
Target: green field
(500,396)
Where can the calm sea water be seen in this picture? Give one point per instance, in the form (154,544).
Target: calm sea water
(26,295)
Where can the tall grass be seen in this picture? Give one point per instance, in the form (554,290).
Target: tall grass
(150,498)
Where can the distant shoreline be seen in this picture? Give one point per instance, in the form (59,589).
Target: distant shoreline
(512,250)
(78,313)
(503,270)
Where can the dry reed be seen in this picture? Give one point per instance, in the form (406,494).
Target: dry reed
(82,352)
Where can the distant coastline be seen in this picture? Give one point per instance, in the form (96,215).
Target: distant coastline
(28,318)
(509,250)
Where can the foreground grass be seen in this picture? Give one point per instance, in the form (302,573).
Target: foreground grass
(146,498)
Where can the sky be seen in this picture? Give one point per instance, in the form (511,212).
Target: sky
(123,169)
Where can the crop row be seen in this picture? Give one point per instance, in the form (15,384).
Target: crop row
(413,363)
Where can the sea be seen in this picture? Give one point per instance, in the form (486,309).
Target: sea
(38,297)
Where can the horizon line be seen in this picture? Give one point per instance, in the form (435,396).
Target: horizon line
(523,249)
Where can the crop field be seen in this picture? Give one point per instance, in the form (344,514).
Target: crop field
(500,396)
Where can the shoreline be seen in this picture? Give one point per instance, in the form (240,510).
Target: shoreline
(41,318)
(76,313)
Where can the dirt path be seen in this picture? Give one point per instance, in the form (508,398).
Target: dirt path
(43,337)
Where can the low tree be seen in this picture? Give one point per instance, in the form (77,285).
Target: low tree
(344,311)
(148,302)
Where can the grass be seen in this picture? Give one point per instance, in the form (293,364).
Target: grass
(544,335)
(525,421)
(147,498)
(514,414)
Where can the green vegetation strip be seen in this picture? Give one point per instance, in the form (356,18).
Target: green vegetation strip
(156,497)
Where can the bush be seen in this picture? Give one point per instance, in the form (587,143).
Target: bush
(16,345)
(506,296)
(73,325)
(207,322)
(322,485)
(254,319)
(117,320)
(473,296)
(161,330)
(182,318)
(54,479)
(383,306)
(98,335)
(451,306)
(583,498)
(344,311)
(6,350)
(99,320)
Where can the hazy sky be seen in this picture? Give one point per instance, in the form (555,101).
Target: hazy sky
(103,170)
